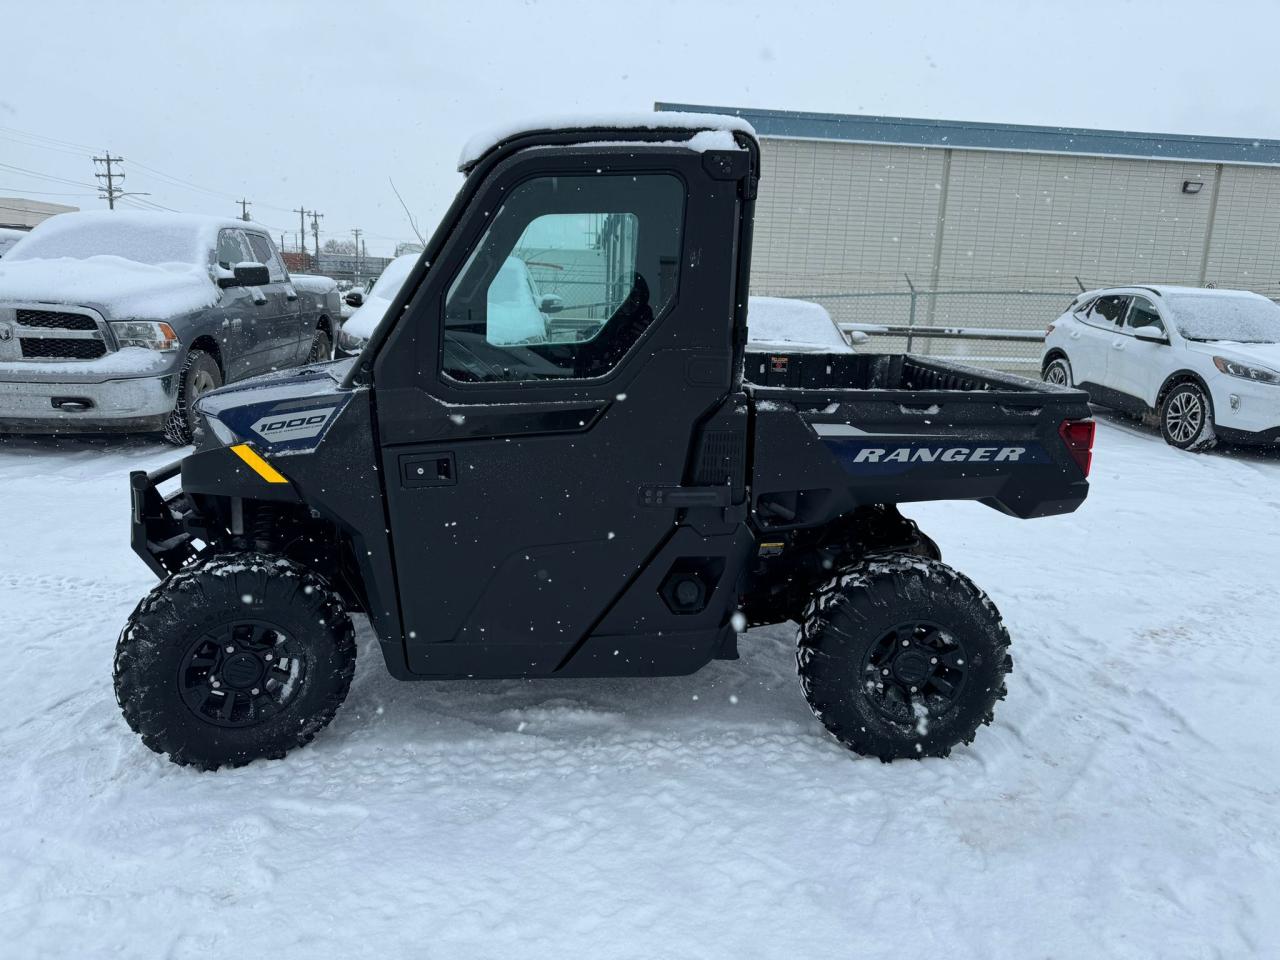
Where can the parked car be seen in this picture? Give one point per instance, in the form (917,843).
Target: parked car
(1205,363)
(793,326)
(113,320)
(371,305)
(9,237)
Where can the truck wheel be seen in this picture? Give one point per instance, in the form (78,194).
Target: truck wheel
(243,656)
(1186,418)
(321,348)
(902,656)
(198,376)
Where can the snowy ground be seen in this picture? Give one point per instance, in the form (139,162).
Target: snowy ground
(1124,804)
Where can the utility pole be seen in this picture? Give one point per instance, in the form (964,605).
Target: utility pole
(302,228)
(110,176)
(355,232)
(244,209)
(315,233)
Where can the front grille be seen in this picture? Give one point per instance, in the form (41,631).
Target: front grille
(53,349)
(54,319)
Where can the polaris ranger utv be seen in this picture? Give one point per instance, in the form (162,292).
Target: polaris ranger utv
(576,469)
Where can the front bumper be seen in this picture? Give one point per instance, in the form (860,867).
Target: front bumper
(133,403)
(1244,411)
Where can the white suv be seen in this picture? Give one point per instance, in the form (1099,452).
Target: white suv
(1205,362)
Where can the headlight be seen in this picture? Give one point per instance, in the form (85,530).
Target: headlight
(351,343)
(148,334)
(1245,372)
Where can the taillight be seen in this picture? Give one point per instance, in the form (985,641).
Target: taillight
(1078,436)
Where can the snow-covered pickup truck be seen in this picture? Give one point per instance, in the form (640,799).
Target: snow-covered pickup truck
(620,504)
(120,321)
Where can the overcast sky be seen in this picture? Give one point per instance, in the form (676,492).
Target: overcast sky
(318,104)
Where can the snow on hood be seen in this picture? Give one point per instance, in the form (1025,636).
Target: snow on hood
(792,325)
(483,142)
(1267,354)
(115,286)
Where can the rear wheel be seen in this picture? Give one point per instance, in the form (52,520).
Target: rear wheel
(1057,372)
(1186,417)
(902,657)
(241,657)
(198,376)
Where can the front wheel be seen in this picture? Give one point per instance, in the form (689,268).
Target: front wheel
(240,657)
(902,657)
(1186,418)
(321,348)
(199,375)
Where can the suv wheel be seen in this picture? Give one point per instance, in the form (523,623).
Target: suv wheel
(902,657)
(243,656)
(1186,417)
(1057,372)
(199,375)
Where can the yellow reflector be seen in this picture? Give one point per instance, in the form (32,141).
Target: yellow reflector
(259,466)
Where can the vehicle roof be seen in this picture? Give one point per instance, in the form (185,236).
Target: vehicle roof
(1165,289)
(484,141)
(197,221)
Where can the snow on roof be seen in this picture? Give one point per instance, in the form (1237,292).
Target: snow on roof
(1173,289)
(486,140)
(145,237)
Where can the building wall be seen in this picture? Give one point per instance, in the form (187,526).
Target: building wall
(22,213)
(1003,234)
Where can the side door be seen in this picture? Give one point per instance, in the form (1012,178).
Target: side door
(280,323)
(1089,342)
(1137,367)
(240,310)
(525,477)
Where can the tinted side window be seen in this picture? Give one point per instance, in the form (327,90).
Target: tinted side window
(265,253)
(569,275)
(232,249)
(1108,310)
(1143,313)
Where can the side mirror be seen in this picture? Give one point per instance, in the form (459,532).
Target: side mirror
(551,303)
(246,275)
(354,299)
(857,337)
(1152,333)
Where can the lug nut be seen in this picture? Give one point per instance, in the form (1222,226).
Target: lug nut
(269,657)
(230,648)
(215,684)
(255,691)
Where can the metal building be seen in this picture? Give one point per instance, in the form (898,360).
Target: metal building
(24,214)
(930,223)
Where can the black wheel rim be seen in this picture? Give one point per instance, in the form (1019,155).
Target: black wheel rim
(241,673)
(914,671)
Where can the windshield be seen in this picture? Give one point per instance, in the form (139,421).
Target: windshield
(153,242)
(393,277)
(1236,318)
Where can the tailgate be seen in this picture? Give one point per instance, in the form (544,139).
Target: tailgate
(1016,445)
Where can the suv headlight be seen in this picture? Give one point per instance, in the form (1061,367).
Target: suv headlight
(148,334)
(1245,372)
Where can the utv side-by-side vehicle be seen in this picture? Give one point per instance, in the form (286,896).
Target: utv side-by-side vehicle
(585,476)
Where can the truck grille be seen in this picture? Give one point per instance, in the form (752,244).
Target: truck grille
(55,319)
(52,349)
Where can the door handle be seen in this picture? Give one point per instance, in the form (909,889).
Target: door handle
(428,470)
(1117,345)
(259,298)
(1075,334)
